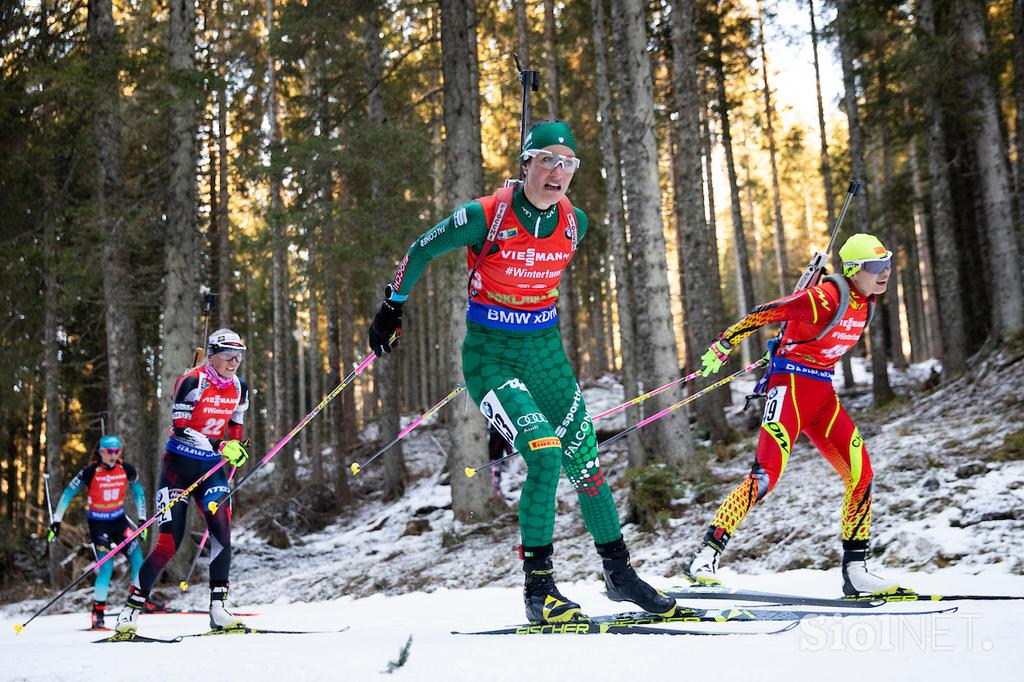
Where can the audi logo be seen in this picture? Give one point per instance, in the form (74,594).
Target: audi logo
(530,419)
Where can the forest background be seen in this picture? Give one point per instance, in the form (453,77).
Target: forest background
(283,154)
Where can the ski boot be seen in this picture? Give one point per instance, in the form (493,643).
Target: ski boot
(544,603)
(99,610)
(220,617)
(154,605)
(858,581)
(703,564)
(128,619)
(623,584)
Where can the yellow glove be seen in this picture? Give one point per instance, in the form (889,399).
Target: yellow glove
(234,452)
(714,357)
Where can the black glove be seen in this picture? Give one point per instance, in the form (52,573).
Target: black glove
(386,322)
(54,531)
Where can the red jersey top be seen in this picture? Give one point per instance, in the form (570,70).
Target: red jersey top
(807,313)
(524,272)
(107,488)
(206,409)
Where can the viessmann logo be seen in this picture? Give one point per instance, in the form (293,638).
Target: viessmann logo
(531,256)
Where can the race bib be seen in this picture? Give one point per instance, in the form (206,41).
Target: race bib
(773,404)
(498,417)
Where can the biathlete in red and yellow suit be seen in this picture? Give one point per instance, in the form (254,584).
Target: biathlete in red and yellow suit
(823,322)
(208,409)
(514,362)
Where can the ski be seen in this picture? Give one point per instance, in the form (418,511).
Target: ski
(593,627)
(912,597)
(180,612)
(710,592)
(867,601)
(134,637)
(264,631)
(738,615)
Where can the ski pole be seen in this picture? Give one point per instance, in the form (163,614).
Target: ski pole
(202,543)
(356,468)
(131,536)
(215,504)
(650,394)
(689,399)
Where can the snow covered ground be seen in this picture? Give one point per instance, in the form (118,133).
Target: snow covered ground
(981,640)
(948,518)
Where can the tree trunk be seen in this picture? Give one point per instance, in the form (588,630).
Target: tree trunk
(926,273)
(947,257)
(1007,281)
(694,248)
(551,80)
(889,307)
(279,269)
(910,283)
(781,261)
(879,358)
(387,382)
(826,175)
(338,371)
(181,249)
(744,280)
(707,149)
(523,31)
(463,181)
(51,380)
(1018,97)
(123,370)
(620,266)
(671,434)
(302,396)
(225,271)
(316,368)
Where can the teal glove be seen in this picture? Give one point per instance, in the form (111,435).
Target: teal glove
(234,452)
(714,357)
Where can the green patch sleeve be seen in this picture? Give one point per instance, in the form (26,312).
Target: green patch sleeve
(467,226)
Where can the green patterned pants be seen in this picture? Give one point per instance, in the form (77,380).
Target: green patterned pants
(525,387)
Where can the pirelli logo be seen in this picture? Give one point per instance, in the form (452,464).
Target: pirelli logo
(549,442)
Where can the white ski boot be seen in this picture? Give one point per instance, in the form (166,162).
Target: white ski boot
(704,565)
(128,618)
(220,617)
(859,582)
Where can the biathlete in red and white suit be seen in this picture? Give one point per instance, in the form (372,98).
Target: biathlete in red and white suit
(207,415)
(105,480)
(823,322)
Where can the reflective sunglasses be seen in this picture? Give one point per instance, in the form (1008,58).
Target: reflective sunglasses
(112,451)
(874,266)
(551,161)
(237,356)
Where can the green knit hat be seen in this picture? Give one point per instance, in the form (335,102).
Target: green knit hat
(548,133)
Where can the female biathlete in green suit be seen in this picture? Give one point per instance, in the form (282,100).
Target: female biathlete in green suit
(515,366)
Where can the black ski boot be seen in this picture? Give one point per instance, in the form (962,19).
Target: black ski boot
(623,584)
(544,603)
(99,610)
